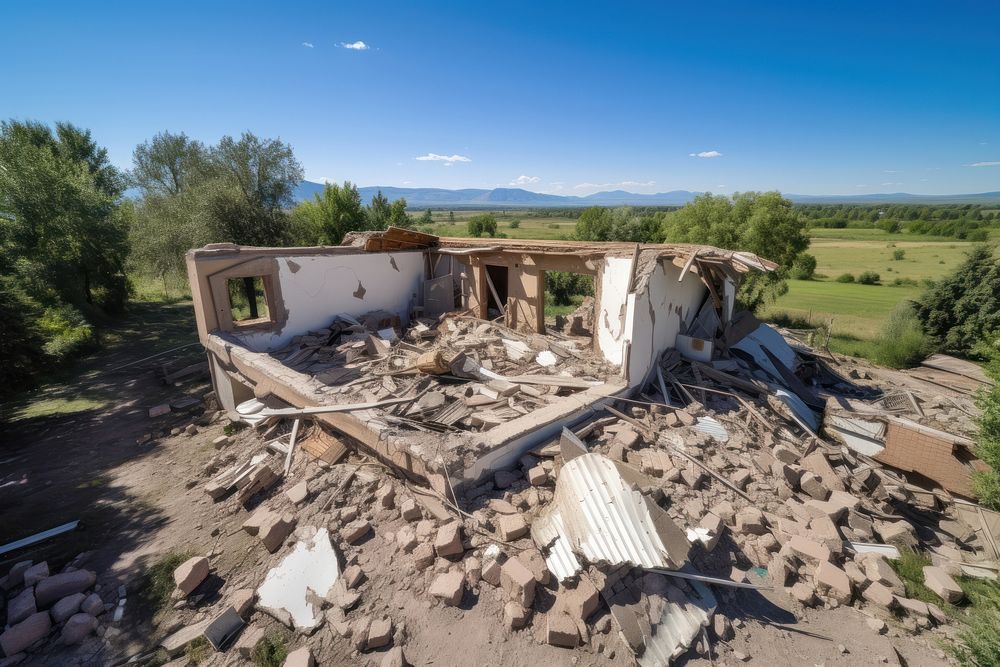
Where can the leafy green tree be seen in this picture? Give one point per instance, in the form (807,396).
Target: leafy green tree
(379,212)
(427,218)
(962,309)
(329,216)
(594,224)
(168,164)
(484,224)
(762,223)
(398,216)
(563,286)
(59,216)
(804,267)
(255,184)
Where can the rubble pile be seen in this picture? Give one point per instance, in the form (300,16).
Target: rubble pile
(512,374)
(65,608)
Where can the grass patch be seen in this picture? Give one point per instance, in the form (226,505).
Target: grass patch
(158,580)
(270,651)
(910,568)
(980,634)
(198,651)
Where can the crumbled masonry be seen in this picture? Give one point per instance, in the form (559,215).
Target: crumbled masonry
(622,484)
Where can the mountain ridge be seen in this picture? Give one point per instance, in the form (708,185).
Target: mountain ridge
(486,198)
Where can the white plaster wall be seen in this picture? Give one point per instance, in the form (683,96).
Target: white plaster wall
(658,314)
(322,286)
(612,331)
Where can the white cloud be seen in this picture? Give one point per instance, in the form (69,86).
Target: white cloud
(889,171)
(525,180)
(325,179)
(308,45)
(355,46)
(447,159)
(720,186)
(706,154)
(890,184)
(991,163)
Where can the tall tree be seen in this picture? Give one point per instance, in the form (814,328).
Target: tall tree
(329,216)
(379,212)
(168,163)
(256,182)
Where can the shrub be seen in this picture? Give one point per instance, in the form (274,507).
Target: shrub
(514,224)
(891,226)
(869,278)
(563,286)
(898,254)
(845,278)
(270,651)
(804,267)
(65,330)
(987,484)
(20,339)
(902,342)
(483,224)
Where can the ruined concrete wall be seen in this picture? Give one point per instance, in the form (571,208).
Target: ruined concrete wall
(315,288)
(659,313)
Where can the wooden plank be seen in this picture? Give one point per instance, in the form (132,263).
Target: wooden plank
(321,445)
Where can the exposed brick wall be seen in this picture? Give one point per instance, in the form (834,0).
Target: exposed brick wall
(928,452)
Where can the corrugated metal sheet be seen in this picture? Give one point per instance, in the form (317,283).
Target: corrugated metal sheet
(596,514)
(679,624)
(712,428)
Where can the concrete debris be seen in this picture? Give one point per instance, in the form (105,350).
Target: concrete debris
(942,584)
(20,636)
(290,588)
(300,657)
(449,587)
(58,586)
(190,574)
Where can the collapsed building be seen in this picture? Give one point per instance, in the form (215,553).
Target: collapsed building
(618,444)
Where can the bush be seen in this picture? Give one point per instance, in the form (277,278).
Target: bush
(66,332)
(891,226)
(899,254)
(902,342)
(270,651)
(869,278)
(804,267)
(845,278)
(515,223)
(483,224)
(987,484)
(563,286)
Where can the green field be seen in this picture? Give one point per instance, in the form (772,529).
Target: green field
(531,225)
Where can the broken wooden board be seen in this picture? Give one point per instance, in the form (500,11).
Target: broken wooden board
(321,445)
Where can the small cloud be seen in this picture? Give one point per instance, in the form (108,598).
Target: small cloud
(525,180)
(991,163)
(720,186)
(407,182)
(706,154)
(890,184)
(308,45)
(889,171)
(355,46)
(325,179)
(447,159)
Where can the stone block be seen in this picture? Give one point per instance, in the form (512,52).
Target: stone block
(537,476)
(60,585)
(423,556)
(66,607)
(808,550)
(941,583)
(35,573)
(448,542)
(276,530)
(878,569)
(298,493)
(449,587)
(511,526)
(93,605)
(355,531)
(190,574)
(21,606)
(898,533)
(20,636)
(379,633)
(77,628)
(834,581)
(515,616)
(560,630)
(878,594)
(750,521)
(409,509)
(15,577)
(811,484)
(518,582)
(300,657)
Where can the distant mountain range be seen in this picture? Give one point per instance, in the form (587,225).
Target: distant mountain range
(516,197)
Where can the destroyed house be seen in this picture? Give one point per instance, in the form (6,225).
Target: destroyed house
(438,348)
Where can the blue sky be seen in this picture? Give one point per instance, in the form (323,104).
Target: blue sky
(569,98)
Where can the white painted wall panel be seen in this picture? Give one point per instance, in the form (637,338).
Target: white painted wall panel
(322,286)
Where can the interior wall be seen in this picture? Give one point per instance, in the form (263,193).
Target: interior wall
(611,317)
(315,288)
(658,315)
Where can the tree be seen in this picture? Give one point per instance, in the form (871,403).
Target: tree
(379,212)
(255,183)
(169,163)
(987,483)
(60,223)
(329,216)
(398,216)
(963,309)
(594,224)
(427,218)
(763,223)
(804,267)
(483,224)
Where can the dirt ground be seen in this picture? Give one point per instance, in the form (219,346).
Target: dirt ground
(138,503)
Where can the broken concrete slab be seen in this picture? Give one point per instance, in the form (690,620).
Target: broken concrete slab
(298,493)
(517,581)
(448,542)
(291,590)
(300,657)
(175,643)
(77,627)
(511,526)
(355,531)
(834,582)
(561,630)
(941,583)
